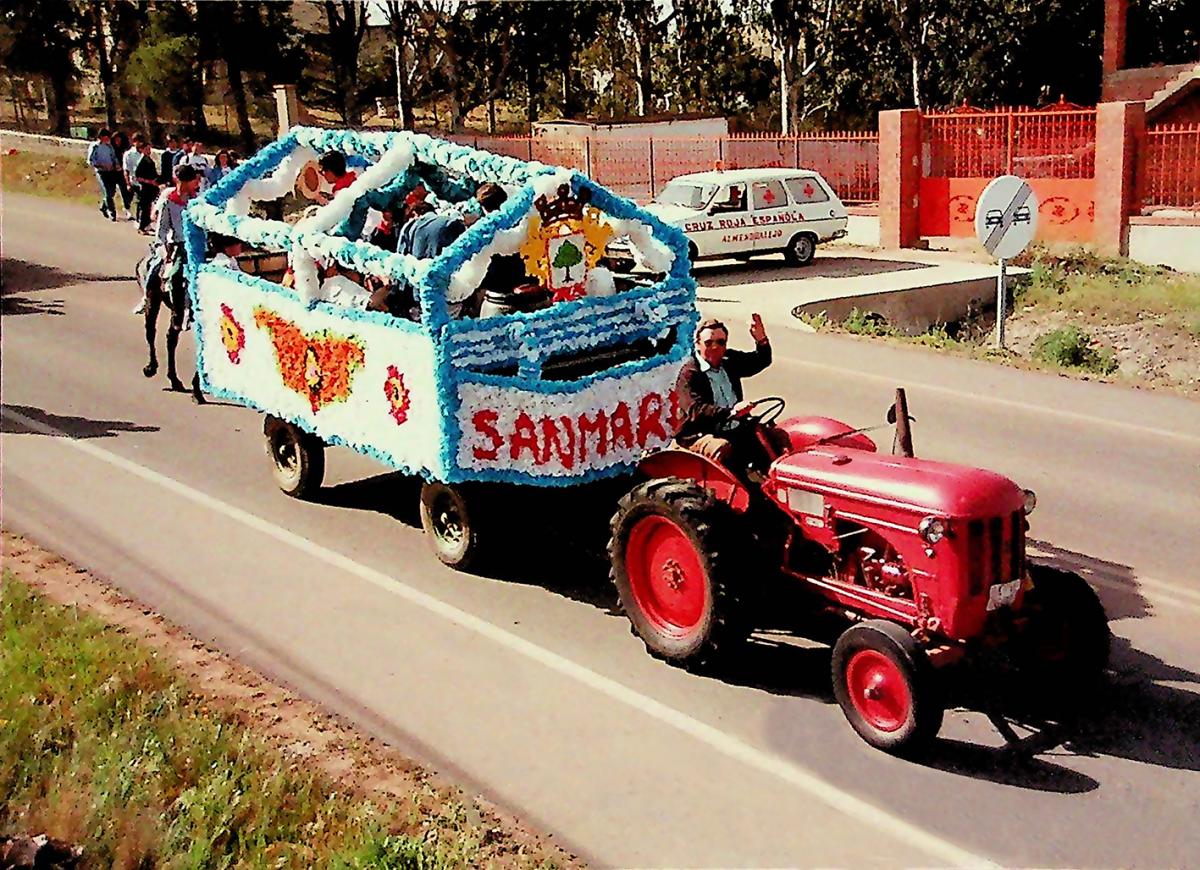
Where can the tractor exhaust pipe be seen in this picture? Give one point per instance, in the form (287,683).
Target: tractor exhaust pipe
(899,414)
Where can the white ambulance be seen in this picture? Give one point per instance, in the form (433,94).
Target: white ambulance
(744,212)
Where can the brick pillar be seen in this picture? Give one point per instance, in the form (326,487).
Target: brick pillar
(899,177)
(1120,129)
(1116,13)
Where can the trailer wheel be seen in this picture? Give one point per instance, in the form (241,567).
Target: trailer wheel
(671,551)
(885,687)
(452,524)
(297,457)
(1065,649)
(801,249)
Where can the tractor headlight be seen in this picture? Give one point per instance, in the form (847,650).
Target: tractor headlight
(1030,501)
(931,530)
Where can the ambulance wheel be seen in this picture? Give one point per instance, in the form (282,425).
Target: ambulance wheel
(693,254)
(451,523)
(297,457)
(885,687)
(801,249)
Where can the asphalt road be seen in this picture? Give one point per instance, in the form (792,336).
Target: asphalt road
(529,689)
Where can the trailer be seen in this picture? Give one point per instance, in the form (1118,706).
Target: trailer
(559,380)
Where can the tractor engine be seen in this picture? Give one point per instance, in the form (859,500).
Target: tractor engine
(877,569)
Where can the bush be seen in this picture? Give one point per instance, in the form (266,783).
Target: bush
(859,322)
(1071,347)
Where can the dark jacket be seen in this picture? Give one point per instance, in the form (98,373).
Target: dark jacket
(697,412)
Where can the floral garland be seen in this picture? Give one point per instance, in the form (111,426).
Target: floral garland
(394,159)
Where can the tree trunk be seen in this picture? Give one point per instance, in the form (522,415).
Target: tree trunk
(102,61)
(60,118)
(916,79)
(233,70)
(532,86)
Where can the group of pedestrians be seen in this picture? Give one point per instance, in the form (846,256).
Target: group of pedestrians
(128,172)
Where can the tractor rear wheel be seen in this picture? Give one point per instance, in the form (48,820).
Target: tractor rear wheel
(1065,649)
(671,549)
(885,686)
(297,457)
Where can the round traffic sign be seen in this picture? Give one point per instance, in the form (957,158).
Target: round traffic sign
(1006,216)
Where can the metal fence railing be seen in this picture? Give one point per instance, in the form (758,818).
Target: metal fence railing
(639,167)
(1168,174)
(1032,143)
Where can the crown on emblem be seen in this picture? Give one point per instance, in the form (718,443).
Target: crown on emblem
(562,207)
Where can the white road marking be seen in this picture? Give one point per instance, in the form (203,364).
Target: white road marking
(836,798)
(992,399)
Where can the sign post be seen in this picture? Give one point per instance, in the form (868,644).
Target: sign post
(1005,221)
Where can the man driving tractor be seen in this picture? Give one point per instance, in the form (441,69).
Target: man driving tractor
(709,387)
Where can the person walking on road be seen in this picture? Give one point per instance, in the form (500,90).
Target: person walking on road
(146,181)
(103,160)
(121,147)
(170,154)
(130,159)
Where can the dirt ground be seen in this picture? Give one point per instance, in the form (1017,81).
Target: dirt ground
(1149,352)
(299,728)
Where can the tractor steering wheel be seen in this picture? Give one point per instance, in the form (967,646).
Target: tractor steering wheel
(773,408)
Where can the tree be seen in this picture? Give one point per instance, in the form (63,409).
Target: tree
(40,40)
(346,22)
(646,26)
(226,25)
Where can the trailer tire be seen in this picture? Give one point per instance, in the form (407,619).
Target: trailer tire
(886,687)
(297,457)
(671,550)
(451,522)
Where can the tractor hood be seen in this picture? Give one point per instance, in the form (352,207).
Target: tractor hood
(922,485)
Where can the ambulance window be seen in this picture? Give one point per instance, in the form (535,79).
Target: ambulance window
(729,199)
(806,190)
(768,194)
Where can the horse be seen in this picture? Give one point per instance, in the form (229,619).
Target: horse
(163,280)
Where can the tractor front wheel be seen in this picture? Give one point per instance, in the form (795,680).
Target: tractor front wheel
(885,686)
(672,551)
(1065,647)
(297,457)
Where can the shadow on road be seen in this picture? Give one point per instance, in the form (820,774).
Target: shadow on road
(1124,602)
(394,495)
(1140,717)
(74,427)
(766,271)
(20,276)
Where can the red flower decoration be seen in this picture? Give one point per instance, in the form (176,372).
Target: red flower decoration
(397,395)
(233,336)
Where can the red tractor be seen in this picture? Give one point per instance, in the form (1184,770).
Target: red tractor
(924,559)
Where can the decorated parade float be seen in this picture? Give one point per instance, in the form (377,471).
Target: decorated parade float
(558,377)
(524,367)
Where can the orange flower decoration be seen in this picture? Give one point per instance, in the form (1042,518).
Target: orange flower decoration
(397,395)
(319,366)
(233,335)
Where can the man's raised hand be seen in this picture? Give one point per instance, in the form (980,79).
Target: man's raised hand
(757,331)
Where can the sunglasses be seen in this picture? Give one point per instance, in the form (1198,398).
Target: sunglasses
(715,342)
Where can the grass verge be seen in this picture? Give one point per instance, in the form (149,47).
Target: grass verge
(1077,314)
(59,176)
(105,745)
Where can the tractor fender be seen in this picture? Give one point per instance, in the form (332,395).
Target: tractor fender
(686,465)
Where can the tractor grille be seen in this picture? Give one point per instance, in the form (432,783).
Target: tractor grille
(995,550)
